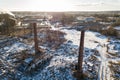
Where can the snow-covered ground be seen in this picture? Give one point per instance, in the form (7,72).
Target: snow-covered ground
(62,63)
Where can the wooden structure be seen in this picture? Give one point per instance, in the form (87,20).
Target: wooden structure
(35,38)
(80,57)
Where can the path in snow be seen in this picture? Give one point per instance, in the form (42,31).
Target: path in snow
(103,70)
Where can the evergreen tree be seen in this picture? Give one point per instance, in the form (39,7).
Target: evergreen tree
(7,24)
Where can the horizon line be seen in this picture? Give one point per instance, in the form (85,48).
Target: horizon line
(65,11)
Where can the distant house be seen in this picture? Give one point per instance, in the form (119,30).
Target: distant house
(117,28)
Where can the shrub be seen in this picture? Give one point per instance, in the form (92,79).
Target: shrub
(67,19)
(115,69)
(8,24)
(117,23)
(21,32)
(52,38)
(109,32)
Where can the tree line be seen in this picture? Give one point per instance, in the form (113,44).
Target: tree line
(7,24)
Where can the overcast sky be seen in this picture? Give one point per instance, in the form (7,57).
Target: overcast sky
(60,5)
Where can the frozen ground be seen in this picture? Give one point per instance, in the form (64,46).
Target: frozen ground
(62,63)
